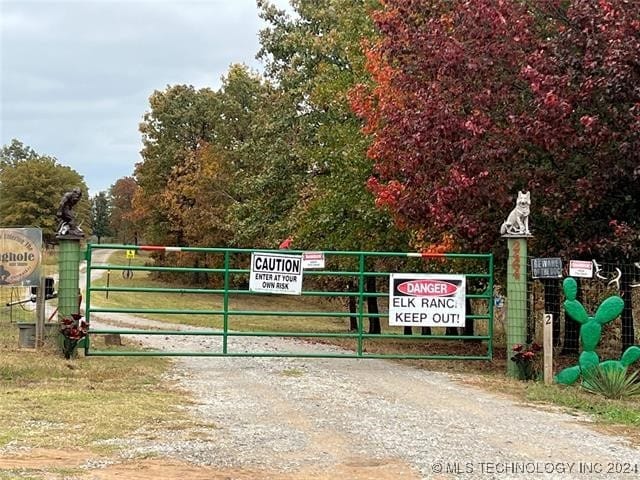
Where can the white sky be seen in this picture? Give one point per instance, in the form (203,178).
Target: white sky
(76,75)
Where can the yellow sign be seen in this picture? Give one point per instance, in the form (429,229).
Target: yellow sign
(20,256)
(131,253)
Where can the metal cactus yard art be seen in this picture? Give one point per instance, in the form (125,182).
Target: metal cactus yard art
(590,333)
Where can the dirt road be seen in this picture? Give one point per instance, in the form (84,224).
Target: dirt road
(270,418)
(327,418)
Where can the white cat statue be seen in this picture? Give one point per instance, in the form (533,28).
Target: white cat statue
(517,223)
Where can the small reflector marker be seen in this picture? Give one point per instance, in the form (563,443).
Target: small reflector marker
(151,247)
(160,248)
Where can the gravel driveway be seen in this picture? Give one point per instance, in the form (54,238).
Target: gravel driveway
(362,419)
(380,418)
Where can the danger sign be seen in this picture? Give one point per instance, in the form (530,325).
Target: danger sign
(426,300)
(312,260)
(276,273)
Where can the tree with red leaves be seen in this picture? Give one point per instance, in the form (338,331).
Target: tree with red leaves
(475,100)
(448,90)
(584,130)
(583,127)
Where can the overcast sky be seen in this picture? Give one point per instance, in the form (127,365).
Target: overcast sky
(76,75)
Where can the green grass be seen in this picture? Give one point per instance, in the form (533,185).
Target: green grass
(50,402)
(623,412)
(195,301)
(573,397)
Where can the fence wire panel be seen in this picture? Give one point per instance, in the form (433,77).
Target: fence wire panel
(17,304)
(345,302)
(547,296)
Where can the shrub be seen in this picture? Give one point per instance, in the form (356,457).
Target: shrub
(612,383)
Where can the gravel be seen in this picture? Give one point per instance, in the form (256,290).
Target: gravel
(291,414)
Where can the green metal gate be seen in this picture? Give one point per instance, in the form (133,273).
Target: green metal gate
(321,308)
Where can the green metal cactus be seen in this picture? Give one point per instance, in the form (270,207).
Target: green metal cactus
(590,334)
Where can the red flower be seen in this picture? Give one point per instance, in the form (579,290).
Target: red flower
(286,243)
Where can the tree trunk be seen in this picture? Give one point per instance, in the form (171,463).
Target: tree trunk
(628,333)
(469,325)
(195,276)
(353,308)
(372,306)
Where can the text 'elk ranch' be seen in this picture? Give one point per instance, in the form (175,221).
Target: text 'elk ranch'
(427,300)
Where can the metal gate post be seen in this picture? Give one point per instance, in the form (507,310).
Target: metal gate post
(69,280)
(225,307)
(517,298)
(360,302)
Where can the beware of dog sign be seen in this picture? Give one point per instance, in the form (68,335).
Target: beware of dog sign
(276,273)
(427,300)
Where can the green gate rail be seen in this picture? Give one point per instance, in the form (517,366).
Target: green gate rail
(231,273)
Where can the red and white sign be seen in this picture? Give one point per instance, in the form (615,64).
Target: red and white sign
(580,268)
(426,300)
(275,273)
(427,287)
(312,260)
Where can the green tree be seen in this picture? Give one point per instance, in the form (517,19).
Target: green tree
(269,173)
(316,59)
(204,179)
(100,213)
(122,222)
(31,186)
(180,120)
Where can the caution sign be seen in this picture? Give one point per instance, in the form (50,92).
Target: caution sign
(276,273)
(427,300)
(131,254)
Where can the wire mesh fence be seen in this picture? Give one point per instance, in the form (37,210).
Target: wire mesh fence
(545,295)
(17,304)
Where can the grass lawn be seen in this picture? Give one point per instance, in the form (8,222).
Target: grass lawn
(51,402)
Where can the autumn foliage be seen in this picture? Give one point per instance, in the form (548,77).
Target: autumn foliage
(461,103)
(583,124)
(475,100)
